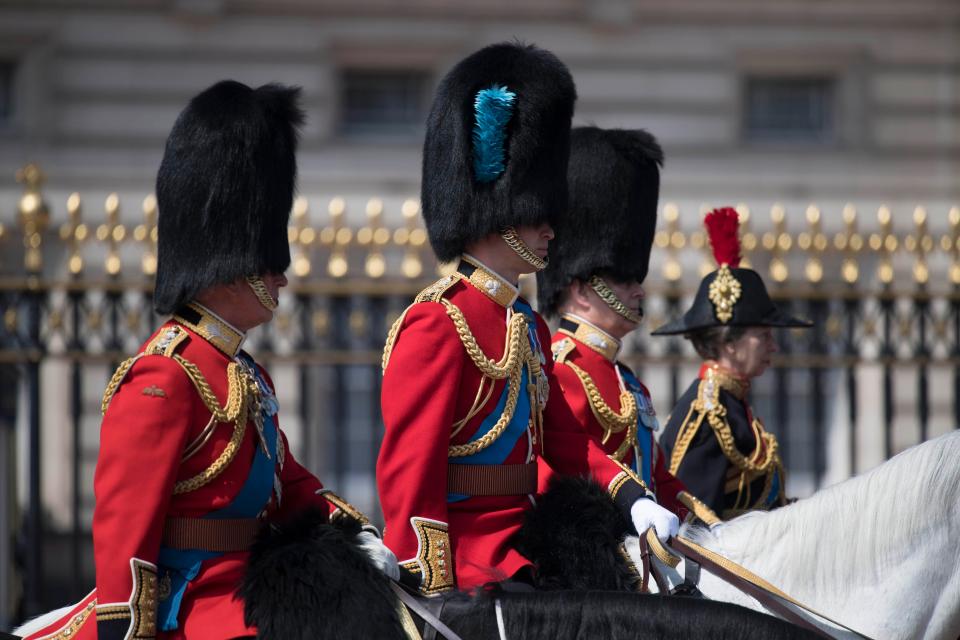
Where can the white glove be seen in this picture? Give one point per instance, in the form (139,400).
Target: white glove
(646,513)
(381,557)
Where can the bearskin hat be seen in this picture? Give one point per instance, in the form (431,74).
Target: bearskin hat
(608,228)
(495,153)
(225,188)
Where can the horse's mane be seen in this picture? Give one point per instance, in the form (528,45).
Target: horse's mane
(859,528)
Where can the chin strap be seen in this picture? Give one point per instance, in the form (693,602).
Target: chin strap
(613,301)
(514,241)
(260,290)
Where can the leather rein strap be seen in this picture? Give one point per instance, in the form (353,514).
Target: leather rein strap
(418,608)
(753,585)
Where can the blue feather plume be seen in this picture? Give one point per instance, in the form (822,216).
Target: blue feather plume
(493,108)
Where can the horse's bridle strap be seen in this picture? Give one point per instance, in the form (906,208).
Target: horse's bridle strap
(430,619)
(492,479)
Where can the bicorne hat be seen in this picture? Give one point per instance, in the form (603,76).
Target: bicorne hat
(607,229)
(495,153)
(224,190)
(730,296)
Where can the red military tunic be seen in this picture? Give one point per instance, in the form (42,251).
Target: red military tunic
(596,387)
(164,454)
(445,419)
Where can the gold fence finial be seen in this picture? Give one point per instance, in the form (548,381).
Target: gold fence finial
(886,243)
(74,232)
(374,236)
(34,217)
(748,239)
(778,243)
(951,245)
(850,243)
(814,242)
(113,233)
(339,236)
(302,236)
(146,234)
(672,269)
(920,243)
(411,237)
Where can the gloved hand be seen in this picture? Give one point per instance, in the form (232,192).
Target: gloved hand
(381,557)
(646,513)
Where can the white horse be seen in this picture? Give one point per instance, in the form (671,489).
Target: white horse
(879,553)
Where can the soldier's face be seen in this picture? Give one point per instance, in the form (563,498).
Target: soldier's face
(749,356)
(631,293)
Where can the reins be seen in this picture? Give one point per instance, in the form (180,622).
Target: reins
(745,580)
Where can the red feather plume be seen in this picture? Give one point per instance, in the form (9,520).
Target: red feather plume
(723,225)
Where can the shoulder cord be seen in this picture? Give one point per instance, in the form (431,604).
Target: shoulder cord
(610,420)
(241,397)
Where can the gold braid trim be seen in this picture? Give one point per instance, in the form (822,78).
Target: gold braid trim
(684,438)
(116,380)
(433,293)
(241,397)
(611,421)
(517,353)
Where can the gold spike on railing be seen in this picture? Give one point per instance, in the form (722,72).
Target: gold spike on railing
(700,240)
(74,232)
(748,239)
(375,236)
(920,243)
(672,269)
(412,238)
(850,243)
(952,245)
(302,236)
(112,232)
(778,242)
(885,243)
(339,237)
(146,234)
(34,217)
(814,242)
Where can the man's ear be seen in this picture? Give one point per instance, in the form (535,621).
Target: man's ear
(579,292)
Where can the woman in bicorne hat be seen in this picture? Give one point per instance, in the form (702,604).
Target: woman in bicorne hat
(716,445)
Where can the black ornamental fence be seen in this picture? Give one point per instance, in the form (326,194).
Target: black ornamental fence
(879,371)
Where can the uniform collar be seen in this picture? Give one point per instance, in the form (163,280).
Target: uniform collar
(589,335)
(211,327)
(488,281)
(727,379)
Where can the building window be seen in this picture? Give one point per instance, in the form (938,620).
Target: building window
(383,103)
(7,68)
(789,109)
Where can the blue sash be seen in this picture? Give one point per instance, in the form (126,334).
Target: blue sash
(498,451)
(646,425)
(180,566)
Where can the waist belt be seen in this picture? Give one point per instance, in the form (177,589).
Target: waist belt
(220,536)
(492,479)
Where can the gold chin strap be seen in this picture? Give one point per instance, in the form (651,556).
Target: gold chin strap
(260,289)
(608,296)
(513,241)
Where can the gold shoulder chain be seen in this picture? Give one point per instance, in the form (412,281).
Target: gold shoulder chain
(517,353)
(611,421)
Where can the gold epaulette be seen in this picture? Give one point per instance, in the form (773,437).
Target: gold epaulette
(433,293)
(561,349)
(242,401)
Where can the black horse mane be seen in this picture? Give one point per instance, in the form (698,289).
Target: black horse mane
(307,579)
